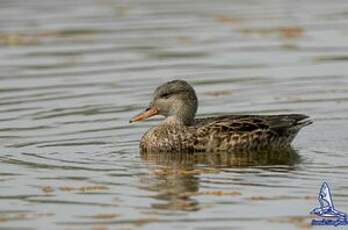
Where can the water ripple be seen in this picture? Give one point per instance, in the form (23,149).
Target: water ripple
(73,73)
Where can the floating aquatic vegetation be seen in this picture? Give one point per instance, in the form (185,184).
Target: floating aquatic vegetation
(227,19)
(219,93)
(287,32)
(299,221)
(94,188)
(210,193)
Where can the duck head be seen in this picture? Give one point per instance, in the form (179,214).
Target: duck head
(175,100)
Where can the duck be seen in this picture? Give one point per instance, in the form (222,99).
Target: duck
(181,132)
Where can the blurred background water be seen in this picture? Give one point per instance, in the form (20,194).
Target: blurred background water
(74,72)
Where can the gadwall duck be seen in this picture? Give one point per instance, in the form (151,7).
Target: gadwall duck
(181,132)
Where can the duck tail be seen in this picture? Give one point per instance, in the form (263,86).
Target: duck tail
(302,121)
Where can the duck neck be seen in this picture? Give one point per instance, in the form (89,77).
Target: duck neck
(180,119)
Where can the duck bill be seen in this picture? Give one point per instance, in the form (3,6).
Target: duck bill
(149,112)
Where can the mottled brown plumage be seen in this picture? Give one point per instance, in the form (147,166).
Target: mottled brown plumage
(180,132)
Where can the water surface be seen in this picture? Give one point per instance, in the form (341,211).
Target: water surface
(74,72)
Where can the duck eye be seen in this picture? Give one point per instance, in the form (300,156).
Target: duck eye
(166,95)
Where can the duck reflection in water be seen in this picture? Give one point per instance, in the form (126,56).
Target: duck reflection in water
(176,178)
